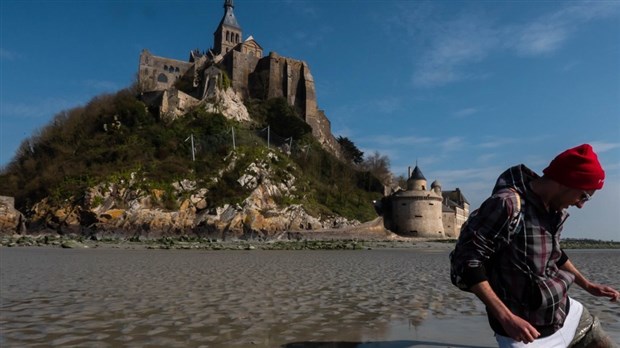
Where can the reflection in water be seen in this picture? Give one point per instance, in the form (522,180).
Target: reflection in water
(158,298)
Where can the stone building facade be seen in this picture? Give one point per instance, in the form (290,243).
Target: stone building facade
(172,86)
(422,212)
(455,211)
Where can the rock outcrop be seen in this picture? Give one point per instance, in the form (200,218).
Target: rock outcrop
(228,103)
(127,209)
(11,220)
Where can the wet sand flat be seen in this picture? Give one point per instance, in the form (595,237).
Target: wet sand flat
(171,298)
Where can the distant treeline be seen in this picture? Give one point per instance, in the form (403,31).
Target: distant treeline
(569,243)
(583,243)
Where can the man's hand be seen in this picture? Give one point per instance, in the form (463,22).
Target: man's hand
(592,288)
(603,290)
(516,327)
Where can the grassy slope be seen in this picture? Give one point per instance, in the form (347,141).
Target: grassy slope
(115,135)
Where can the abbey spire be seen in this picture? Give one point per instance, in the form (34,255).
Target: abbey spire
(228,34)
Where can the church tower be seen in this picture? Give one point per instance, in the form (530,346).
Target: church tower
(228,33)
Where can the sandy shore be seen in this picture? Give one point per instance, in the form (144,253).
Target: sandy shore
(258,298)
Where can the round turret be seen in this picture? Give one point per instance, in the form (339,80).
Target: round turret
(416,180)
(416,212)
(436,186)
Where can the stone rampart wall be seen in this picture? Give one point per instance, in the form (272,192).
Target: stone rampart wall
(240,66)
(449,224)
(418,216)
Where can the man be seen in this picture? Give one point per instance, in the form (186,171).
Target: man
(509,256)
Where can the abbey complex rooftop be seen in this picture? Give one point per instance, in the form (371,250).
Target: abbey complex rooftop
(173,86)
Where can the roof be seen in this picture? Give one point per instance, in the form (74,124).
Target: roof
(229,16)
(455,196)
(417,174)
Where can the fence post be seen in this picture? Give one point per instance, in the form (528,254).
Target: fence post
(191,137)
(233,136)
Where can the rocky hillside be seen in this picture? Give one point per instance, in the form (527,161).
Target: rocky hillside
(112,169)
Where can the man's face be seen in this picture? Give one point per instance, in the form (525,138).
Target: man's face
(570,197)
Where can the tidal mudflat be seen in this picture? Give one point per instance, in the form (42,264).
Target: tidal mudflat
(258,298)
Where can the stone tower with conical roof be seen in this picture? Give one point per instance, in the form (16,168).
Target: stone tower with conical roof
(416,212)
(228,34)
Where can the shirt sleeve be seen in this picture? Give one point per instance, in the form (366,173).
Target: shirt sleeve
(562,259)
(482,236)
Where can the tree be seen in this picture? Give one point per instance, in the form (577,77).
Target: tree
(379,166)
(350,151)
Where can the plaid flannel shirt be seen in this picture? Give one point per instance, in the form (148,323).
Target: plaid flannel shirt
(521,263)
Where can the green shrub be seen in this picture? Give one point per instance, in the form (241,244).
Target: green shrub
(115,135)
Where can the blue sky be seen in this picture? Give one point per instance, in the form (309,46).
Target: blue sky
(465,88)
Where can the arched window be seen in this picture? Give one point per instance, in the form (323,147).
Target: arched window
(171,69)
(227,35)
(237,38)
(162,78)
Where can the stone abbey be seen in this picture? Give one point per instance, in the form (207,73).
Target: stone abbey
(173,86)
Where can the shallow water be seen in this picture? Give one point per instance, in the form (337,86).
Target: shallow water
(167,298)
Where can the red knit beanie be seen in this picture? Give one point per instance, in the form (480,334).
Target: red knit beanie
(577,168)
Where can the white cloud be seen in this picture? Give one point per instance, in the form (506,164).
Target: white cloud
(452,46)
(569,66)
(485,158)
(496,143)
(386,105)
(588,10)
(601,147)
(539,38)
(452,144)
(548,33)
(8,55)
(466,40)
(465,112)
